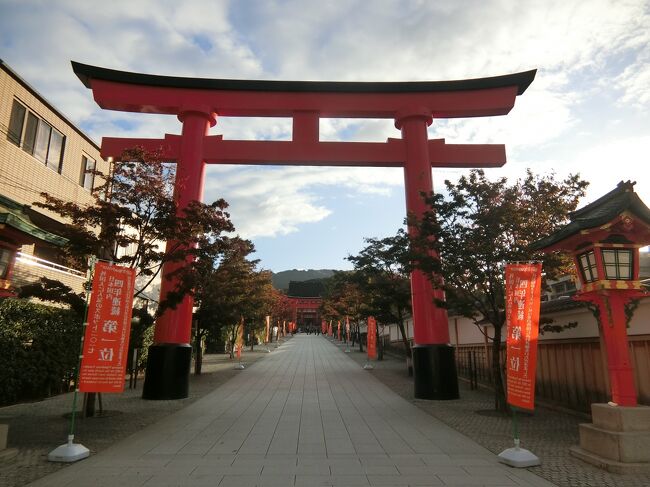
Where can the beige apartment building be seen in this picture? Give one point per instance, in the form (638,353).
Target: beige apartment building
(40,151)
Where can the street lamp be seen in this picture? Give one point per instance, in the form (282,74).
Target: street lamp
(604,238)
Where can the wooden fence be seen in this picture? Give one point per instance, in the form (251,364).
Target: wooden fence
(570,373)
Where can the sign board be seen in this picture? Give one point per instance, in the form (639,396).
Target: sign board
(372,338)
(523,285)
(106,339)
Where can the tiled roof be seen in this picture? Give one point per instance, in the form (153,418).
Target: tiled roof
(603,210)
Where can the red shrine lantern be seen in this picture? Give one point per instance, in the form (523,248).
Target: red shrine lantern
(604,238)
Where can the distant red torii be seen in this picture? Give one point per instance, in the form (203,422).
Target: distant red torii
(412,105)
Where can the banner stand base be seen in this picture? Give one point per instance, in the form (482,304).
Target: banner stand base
(69,452)
(368,366)
(518,457)
(434,370)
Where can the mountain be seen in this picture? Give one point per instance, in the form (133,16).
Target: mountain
(281,279)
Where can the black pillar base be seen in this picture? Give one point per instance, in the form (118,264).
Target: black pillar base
(168,371)
(434,370)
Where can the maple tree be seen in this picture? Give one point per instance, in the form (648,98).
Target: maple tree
(468,235)
(382,271)
(134,213)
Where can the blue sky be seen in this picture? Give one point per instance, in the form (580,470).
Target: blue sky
(588,110)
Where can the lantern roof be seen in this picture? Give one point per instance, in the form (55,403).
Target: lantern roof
(605,210)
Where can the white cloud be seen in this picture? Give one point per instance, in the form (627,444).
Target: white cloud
(274,201)
(592,55)
(634,81)
(603,165)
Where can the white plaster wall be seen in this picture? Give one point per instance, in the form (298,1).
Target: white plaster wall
(468,333)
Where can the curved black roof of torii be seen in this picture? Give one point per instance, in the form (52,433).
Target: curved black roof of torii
(86,72)
(603,210)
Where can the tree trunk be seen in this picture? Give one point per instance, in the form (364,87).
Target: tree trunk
(407,344)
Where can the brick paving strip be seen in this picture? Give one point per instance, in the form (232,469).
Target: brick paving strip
(307,414)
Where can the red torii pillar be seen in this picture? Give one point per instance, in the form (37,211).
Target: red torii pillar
(412,105)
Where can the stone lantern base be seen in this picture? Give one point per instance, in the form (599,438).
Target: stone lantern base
(618,440)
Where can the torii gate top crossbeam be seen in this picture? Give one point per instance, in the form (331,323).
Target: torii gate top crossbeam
(306,102)
(171,95)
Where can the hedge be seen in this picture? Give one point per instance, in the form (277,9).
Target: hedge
(39,350)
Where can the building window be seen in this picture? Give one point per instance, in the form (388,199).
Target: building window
(618,264)
(16,123)
(588,266)
(87,179)
(36,137)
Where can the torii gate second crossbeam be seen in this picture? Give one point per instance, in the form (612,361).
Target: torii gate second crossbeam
(412,105)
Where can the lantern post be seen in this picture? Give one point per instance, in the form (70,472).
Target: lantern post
(604,239)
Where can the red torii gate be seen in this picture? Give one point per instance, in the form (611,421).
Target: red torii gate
(412,105)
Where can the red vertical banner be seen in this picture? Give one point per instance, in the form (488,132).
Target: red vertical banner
(329,329)
(323,327)
(338,331)
(347,329)
(106,339)
(268,329)
(372,338)
(523,291)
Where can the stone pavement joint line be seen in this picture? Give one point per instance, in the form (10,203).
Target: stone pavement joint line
(306,415)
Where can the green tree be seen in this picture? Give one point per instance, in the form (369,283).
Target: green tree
(478,227)
(382,272)
(133,214)
(280,309)
(345,298)
(230,292)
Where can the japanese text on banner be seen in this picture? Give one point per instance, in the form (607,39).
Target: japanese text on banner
(372,338)
(106,339)
(523,284)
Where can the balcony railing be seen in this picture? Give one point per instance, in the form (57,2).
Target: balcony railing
(29,269)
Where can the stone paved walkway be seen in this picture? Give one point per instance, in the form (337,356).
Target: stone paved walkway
(549,433)
(306,415)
